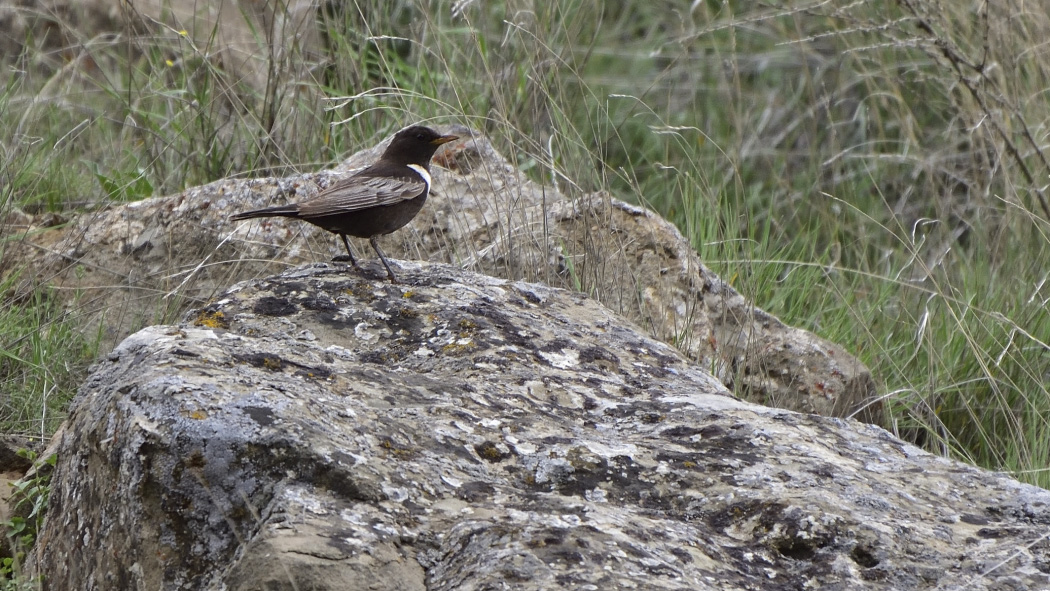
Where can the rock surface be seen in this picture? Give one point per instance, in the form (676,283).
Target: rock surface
(317,430)
(130,264)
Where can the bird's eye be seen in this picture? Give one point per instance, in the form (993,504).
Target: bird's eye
(420,136)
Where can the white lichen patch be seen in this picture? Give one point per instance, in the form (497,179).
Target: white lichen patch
(564,359)
(463,426)
(365,332)
(610,450)
(595,495)
(340,352)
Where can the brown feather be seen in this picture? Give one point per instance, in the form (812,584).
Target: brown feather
(357,193)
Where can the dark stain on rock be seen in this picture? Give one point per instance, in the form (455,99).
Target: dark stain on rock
(790,540)
(634,550)
(824,470)
(260,414)
(649,413)
(620,477)
(553,440)
(275,362)
(530,296)
(682,555)
(712,431)
(716,441)
(680,432)
(196,460)
(272,306)
(504,360)
(661,361)
(475,491)
(556,346)
(337,480)
(262,360)
(630,391)
(653,370)
(688,461)
(356,288)
(864,556)
(517,302)
(338,319)
(338,541)
(600,357)
(381,356)
(490,452)
(553,538)
(736,513)
(488,315)
(283,288)
(399,317)
(319,303)
(638,384)
(795,548)
(974,519)
(567,556)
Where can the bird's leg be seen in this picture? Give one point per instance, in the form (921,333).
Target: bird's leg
(389,271)
(349,253)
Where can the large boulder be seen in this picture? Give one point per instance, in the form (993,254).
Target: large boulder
(131,265)
(324,430)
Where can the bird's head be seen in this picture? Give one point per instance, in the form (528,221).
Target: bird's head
(415,145)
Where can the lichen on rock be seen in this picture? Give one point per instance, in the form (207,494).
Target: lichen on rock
(327,438)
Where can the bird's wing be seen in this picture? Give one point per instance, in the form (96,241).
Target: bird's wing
(361,192)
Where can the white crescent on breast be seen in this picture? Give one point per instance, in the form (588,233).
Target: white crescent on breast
(423,173)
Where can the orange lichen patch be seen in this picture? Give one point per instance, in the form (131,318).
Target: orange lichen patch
(211,319)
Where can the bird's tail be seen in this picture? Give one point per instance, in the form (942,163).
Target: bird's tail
(287,211)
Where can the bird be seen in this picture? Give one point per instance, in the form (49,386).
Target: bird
(375,201)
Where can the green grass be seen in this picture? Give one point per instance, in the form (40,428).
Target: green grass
(43,358)
(870,171)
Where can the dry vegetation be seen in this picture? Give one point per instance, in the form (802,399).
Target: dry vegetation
(872,171)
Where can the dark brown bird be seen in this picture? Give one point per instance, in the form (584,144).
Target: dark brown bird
(376,201)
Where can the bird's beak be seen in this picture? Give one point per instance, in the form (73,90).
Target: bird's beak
(444,139)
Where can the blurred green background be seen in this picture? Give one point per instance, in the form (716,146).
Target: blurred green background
(871,171)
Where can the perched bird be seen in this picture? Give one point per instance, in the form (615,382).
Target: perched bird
(375,201)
